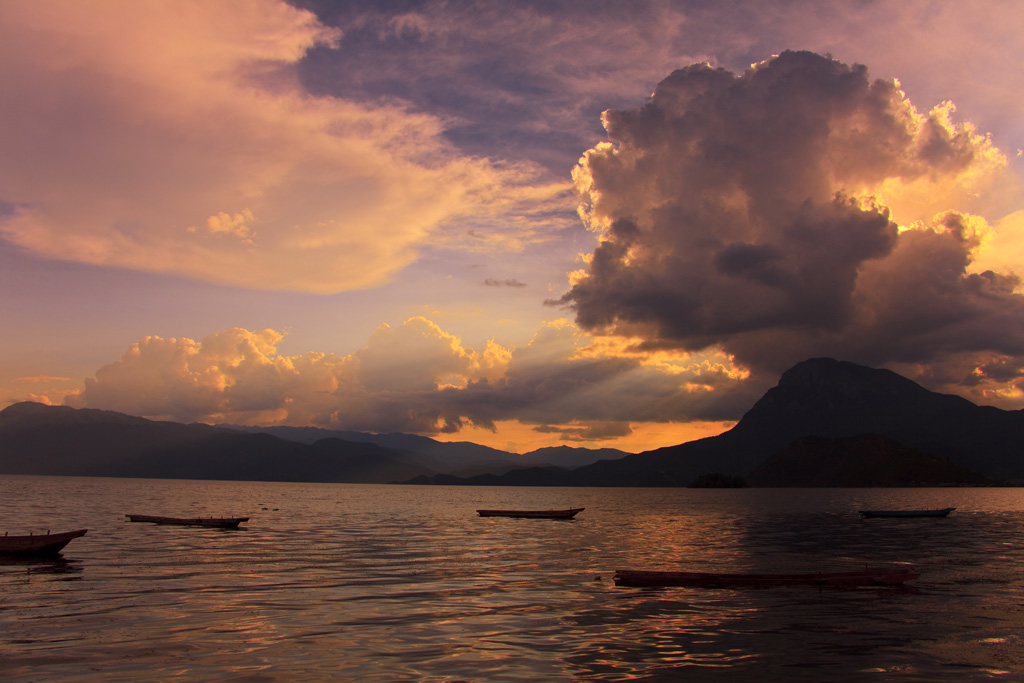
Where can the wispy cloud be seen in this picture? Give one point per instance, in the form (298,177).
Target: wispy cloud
(178,138)
(40,379)
(510,282)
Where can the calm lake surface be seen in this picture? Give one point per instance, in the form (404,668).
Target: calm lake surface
(360,582)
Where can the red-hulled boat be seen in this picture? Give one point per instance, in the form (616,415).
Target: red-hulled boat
(942,512)
(215,522)
(41,544)
(881,576)
(533,514)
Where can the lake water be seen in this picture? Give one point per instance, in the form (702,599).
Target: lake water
(389,583)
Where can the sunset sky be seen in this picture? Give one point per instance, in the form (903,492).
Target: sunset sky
(516,223)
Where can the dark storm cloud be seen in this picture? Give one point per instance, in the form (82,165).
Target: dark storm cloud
(522,80)
(740,211)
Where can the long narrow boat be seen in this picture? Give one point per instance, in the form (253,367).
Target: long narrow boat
(216,522)
(884,576)
(906,513)
(534,514)
(42,544)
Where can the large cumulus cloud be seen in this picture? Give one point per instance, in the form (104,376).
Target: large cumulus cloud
(414,377)
(795,210)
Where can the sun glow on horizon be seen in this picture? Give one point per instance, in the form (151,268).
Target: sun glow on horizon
(516,437)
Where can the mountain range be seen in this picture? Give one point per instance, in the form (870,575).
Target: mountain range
(826,423)
(59,440)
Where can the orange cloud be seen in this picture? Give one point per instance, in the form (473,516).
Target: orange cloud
(414,377)
(417,378)
(41,379)
(193,126)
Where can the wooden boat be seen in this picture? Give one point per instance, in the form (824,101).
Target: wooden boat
(42,544)
(535,514)
(883,576)
(906,513)
(216,522)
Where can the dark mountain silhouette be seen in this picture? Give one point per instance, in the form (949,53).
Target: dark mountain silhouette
(864,461)
(827,398)
(460,458)
(820,397)
(568,457)
(59,440)
(441,456)
(39,439)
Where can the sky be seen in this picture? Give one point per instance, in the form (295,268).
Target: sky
(523,224)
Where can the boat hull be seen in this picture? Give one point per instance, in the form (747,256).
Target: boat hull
(44,544)
(906,513)
(214,522)
(851,579)
(532,514)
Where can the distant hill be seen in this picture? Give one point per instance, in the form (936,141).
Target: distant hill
(833,399)
(461,458)
(441,456)
(568,456)
(59,440)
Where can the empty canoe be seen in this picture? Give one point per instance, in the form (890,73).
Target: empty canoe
(536,514)
(906,513)
(886,576)
(42,544)
(217,522)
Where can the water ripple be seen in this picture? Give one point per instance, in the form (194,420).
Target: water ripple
(324,583)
